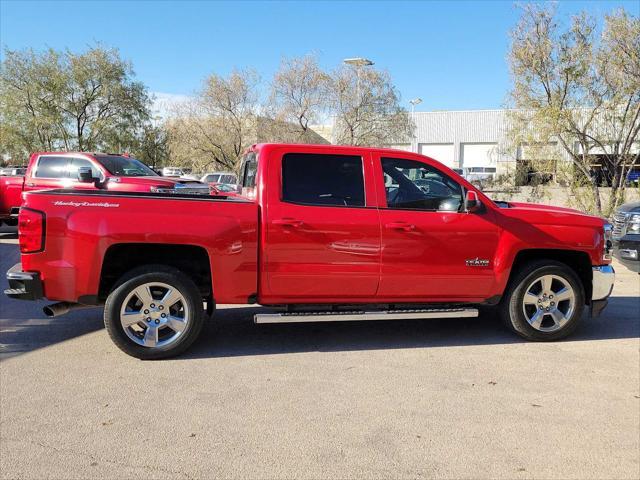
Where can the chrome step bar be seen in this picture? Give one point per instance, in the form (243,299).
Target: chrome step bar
(350,316)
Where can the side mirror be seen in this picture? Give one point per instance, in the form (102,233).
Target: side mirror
(85,175)
(472,202)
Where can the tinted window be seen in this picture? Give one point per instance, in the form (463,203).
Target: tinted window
(125,166)
(250,169)
(231,179)
(76,163)
(313,179)
(418,186)
(52,167)
(211,178)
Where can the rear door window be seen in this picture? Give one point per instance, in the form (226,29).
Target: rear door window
(323,180)
(50,166)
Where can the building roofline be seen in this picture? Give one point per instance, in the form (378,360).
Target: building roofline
(467,111)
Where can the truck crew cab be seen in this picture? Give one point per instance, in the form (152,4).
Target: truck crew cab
(321,233)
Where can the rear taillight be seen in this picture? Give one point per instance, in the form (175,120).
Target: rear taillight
(31,230)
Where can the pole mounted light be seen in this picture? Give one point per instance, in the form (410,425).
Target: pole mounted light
(414,102)
(358,62)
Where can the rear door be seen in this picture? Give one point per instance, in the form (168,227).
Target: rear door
(432,250)
(322,230)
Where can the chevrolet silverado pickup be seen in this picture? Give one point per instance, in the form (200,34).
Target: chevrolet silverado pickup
(321,233)
(84,171)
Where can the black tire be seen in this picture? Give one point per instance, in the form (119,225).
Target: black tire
(511,307)
(154,274)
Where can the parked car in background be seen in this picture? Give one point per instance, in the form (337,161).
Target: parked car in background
(85,171)
(191,176)
(323,240)
(459,171)
(478,175)
(13,171)
(626,235)
(223,189)
(220,177)
(175,171)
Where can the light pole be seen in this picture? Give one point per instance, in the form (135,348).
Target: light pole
(358,63)
(414,102)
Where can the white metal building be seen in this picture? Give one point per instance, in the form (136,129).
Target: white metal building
(474,140)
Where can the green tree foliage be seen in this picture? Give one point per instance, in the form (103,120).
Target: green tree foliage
(582,91)
(60,100)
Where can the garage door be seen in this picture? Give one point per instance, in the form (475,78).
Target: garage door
(443,152)
(479,155)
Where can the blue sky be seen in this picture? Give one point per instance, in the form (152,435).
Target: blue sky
(451,54)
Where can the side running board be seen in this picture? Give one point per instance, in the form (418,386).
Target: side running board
(350,316)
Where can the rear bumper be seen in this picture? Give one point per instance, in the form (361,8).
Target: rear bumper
(23,285)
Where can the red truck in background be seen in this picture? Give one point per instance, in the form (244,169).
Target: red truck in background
(322,233)
(83,171)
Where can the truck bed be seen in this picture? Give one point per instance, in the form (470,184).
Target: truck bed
(76,244)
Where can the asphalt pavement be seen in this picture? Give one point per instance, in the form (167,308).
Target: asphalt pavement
(454,398)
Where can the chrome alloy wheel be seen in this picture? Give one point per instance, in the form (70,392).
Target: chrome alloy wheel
(548,303)
(154,314)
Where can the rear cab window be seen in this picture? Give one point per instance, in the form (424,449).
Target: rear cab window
(248,174)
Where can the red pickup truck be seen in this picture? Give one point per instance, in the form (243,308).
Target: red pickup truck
(322,233)
(84,171)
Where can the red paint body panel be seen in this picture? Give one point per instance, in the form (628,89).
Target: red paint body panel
(295,254)
(10,194)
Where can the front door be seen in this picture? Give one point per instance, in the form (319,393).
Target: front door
(60,171)
(429,244)
(322,227)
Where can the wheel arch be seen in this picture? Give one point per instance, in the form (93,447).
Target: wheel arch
(120,258)
(578,261)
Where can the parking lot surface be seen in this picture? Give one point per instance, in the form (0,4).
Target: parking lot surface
(408,399)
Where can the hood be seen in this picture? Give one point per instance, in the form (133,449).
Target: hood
(540,206)
(152,180)
(144,184)
(536,213)
(633,207)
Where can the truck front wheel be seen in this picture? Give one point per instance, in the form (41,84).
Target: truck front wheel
(155,312)
(544,301)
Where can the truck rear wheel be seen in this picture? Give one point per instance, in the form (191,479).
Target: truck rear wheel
(544,301)
(155,312)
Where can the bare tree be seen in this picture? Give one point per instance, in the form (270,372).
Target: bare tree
(216,127)
(298,94)
(581,92)
(367,108)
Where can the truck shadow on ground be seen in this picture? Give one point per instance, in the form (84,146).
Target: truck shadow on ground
(235,334)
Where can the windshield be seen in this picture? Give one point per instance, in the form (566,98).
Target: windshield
(125,167)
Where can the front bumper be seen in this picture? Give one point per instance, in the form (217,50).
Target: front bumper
(23,285)
(602,285)
(627,251)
